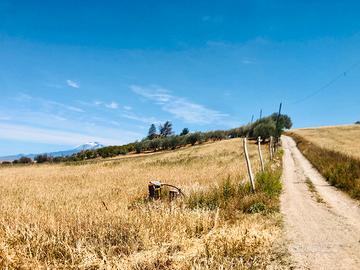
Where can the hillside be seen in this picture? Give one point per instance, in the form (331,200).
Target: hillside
(64,153)
(344,139)
(95,215)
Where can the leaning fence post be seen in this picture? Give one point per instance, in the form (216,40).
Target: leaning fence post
(271,147)
(251,176)
(260,155)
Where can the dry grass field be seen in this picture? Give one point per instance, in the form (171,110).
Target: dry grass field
(344,139)
(335,153)
(53,215)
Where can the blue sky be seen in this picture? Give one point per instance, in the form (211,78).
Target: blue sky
(103,71)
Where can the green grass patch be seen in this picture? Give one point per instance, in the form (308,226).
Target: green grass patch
(234,196)
(313,190)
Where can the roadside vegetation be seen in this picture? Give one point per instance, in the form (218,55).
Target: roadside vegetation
(95,215)
(313,190)
(340,169)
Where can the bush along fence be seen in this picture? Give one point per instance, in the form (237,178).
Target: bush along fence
(272,153)
(340,170)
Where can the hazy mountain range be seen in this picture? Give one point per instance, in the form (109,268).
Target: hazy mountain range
(83,147)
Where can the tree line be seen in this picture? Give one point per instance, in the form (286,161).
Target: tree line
(164,138)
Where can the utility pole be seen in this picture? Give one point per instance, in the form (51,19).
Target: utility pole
(277,124)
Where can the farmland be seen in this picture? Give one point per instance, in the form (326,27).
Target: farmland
(95,215)
(344,139)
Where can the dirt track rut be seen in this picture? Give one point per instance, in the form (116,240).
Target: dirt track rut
(323,229)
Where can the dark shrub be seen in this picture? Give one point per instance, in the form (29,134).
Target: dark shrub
(155,144)
(42,158)
(138,147)
(174,142)
(6,163)
(25,160)
(193,138)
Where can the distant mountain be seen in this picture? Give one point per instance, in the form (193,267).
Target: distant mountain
(83,147)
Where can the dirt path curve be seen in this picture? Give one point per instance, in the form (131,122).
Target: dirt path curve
(322,226)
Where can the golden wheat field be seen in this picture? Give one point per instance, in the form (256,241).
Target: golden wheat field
(344,139)
(86,215)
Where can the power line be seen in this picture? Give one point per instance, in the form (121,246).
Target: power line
(328,84)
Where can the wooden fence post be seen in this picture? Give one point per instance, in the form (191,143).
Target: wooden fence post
(260,154)
(251,176)
(271,147)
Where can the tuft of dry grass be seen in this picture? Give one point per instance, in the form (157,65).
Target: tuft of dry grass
(84,216)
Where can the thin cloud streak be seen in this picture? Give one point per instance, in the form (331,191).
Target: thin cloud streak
(179,107)
(51,136)
(143,119)
(47,103)
(73,84)
(113,105)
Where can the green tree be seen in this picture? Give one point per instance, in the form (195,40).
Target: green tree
(138,147)
(184,132)
(193,138)
(265,129)
(42,158)
(166,129)
(152,132)
(155,144)
(25,160)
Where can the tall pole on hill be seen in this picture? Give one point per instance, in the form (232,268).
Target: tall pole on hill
(277,124)
(252,119)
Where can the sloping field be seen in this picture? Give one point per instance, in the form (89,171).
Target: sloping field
(94,215)
(344,139)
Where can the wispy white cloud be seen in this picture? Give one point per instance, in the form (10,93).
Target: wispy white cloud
(212,19)
(61,105)
(143,119)
(23,97)
(247,62)
(155,93)
(46,103)
(72,84)
(127,108)
(179,107)
(54,136)
(112,105)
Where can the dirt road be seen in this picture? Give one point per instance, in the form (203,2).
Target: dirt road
(322,224)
